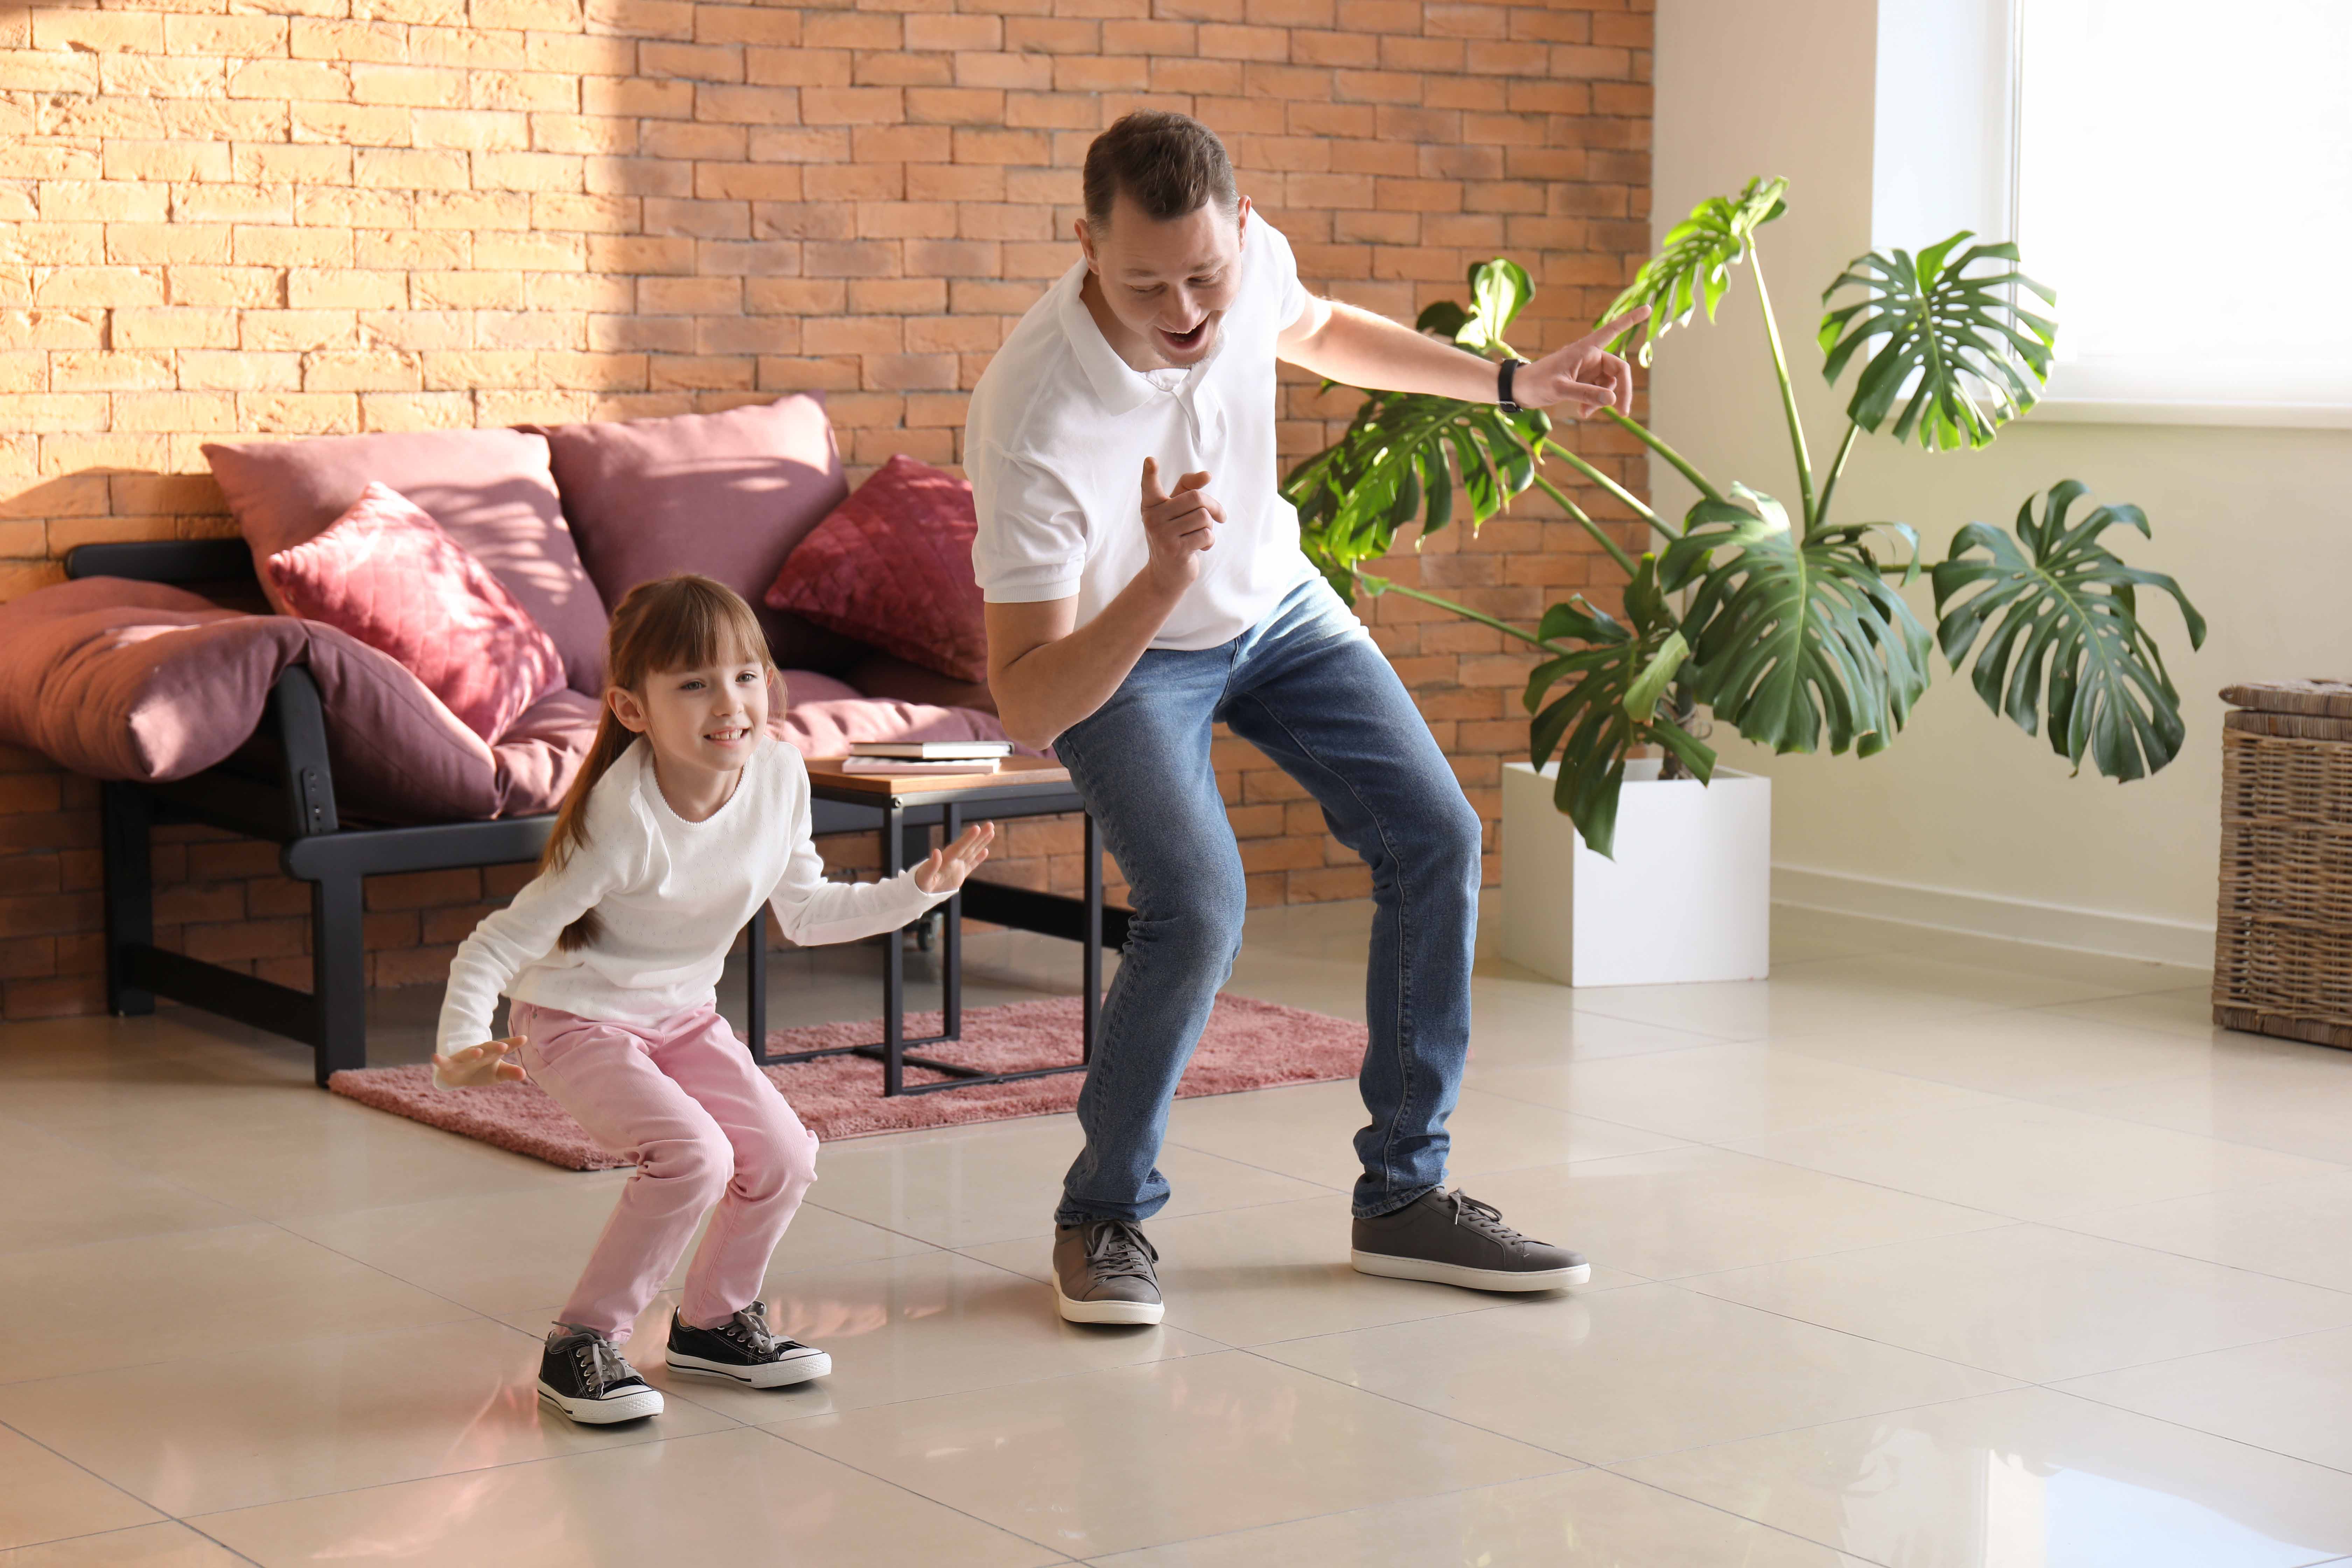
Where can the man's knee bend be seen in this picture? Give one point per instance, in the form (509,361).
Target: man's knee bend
(1203,934)
(1452,853)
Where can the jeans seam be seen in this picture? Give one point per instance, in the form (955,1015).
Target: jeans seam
(1404,931)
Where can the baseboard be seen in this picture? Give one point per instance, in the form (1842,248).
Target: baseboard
(1985,914)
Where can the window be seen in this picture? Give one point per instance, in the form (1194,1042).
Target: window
(2182,175)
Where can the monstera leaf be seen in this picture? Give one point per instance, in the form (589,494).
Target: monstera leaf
(1404,452)
(1957,352)
(1692,267)
(1499,290)
(1611,705)
(2060,617)
(1791,636)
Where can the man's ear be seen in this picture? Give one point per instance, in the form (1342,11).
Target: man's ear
(1085,233)
(1241,211)
(626,709)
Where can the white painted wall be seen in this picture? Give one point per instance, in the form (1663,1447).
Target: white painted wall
(1967,821)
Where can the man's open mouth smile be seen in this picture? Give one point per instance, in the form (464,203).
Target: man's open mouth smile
(1184,342)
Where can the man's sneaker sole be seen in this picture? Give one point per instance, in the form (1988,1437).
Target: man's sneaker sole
(1130,1313)
(604,1411)
(768,1375)
(1390,1267)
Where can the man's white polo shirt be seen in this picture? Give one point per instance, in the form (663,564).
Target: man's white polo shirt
(1058,430)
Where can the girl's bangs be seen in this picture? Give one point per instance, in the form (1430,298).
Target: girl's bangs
(699,629)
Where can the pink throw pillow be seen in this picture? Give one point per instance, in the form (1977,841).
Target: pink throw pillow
(892,566)
(385,573)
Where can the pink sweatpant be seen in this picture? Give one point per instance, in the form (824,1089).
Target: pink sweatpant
(683,1100)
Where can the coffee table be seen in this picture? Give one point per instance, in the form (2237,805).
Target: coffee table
(904,808)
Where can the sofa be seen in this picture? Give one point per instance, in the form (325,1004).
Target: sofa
(172,672)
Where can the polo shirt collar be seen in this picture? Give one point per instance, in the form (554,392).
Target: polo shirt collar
(1117,385)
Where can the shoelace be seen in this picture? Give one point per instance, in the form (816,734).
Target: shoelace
(749,1328)
(1115,1247)
(601,1366)
(1485,1217)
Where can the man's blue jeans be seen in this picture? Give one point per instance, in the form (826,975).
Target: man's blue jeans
(1308,688)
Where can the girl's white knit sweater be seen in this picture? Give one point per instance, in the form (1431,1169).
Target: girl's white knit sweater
(670,895)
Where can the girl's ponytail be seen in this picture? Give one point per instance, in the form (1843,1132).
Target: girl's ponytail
(683,622)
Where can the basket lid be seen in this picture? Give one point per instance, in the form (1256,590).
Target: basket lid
(2318,699)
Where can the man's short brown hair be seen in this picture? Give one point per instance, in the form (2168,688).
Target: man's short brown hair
(1171,165)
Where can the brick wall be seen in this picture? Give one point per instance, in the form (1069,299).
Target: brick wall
(294,217)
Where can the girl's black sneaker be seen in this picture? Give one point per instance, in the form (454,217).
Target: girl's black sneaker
(584,1374)
(743,1349)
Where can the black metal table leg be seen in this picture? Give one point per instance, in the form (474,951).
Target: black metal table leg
(1090,944)
(755,984)
(952,939)
(124,817)
(894,963)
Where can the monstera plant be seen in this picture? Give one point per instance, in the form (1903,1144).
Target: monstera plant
(1784,623)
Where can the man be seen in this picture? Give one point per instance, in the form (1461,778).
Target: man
(1144,581)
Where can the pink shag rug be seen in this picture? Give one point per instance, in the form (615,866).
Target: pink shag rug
(1247,1045)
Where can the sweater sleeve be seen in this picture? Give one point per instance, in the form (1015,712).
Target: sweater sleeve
(511,940)
(814,911)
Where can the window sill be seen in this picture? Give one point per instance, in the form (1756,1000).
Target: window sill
(2331,415)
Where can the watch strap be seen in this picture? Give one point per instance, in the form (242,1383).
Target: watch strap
(1503,385)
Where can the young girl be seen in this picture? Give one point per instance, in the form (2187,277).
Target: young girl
(687,816)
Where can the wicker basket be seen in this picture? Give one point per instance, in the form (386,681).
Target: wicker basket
(2282,943)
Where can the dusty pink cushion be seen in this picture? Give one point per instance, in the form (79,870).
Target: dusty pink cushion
(892,566)
(121,679)
(387,575)
(808,686)
(727,495)
(491,490)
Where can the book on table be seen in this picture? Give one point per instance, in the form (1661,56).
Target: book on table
(931,751)
(903,767)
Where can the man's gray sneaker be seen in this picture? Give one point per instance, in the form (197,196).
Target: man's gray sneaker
(1102,1273)
(1449,1238)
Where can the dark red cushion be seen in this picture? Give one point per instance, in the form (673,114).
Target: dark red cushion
(489,488)
(892,566)
(387,575)
(727,495)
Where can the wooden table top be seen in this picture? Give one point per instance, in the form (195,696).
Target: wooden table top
(1013,774)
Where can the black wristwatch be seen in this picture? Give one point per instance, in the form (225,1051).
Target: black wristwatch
(1503,385)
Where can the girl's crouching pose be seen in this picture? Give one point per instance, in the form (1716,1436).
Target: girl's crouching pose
(686,817)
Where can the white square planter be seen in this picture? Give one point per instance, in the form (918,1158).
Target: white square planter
(1688,897)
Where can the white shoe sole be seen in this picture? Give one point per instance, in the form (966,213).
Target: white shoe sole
(773,1374)
(604,1411)
(1105,1312)
(1389,1267)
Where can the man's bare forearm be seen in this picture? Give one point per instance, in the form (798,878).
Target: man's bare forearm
(1047,688)
(1358,348)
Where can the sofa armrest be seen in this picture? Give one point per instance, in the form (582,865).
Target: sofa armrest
(300,719)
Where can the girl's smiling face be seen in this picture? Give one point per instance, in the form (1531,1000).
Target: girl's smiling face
(700,721)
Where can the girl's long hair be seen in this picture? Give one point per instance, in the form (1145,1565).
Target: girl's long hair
(684,622)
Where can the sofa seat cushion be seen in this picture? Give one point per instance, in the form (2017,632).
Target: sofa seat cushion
(121,679)
(388,575)
(892,567)
(728,495)
(492,490)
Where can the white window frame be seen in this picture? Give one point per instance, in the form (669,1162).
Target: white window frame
(1945,150)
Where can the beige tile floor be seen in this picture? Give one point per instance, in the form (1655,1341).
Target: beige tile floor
(1929,1252)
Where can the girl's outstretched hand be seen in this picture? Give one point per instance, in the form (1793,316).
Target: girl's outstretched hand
(479,1065)
(944,870)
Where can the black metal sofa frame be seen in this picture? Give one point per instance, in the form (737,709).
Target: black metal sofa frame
(282,791)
